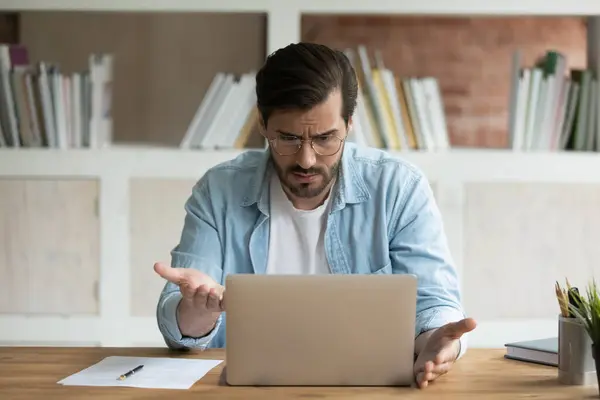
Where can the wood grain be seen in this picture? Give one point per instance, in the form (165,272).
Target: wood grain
(32,373)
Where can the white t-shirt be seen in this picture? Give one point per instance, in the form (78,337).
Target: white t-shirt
(296,239)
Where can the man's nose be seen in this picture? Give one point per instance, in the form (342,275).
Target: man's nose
(306,156)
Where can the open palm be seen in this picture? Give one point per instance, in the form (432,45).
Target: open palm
(440,351)
(195,286)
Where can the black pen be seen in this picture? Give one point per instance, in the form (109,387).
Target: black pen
(129,373)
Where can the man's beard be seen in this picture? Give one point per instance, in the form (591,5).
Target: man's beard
(307,190)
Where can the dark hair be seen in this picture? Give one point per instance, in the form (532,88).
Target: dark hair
(301,76)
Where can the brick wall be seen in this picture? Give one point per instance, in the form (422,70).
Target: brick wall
(471,57)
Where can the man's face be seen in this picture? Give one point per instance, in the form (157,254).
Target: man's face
(308,174)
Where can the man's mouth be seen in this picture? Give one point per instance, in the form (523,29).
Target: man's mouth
(302,177)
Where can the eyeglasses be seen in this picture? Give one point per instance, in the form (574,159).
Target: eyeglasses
(323,145)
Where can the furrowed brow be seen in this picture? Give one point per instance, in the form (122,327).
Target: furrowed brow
(329,132)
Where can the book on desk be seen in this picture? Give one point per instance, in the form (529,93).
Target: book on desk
(539,351)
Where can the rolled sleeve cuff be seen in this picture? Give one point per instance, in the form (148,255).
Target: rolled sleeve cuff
(170,328)
(437,317)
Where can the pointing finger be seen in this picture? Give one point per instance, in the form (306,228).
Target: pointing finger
(456,329)
(173,275)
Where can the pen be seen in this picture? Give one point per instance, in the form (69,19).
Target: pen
(129,373)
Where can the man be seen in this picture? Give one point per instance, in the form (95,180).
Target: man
(311,204)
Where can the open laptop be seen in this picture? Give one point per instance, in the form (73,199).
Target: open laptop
(320,330)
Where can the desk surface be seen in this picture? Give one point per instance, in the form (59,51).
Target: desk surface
(30,372)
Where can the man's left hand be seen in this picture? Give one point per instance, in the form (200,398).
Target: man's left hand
(440,351)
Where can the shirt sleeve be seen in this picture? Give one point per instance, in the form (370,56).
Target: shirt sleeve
(170,328)
(418,246)
(200,248)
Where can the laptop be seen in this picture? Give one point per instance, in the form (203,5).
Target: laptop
(320,330)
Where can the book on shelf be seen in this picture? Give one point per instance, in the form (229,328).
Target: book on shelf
(393,112)
(42,106)
(552,107)
(396,112)
(227,115)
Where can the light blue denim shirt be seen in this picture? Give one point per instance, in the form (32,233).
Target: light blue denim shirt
(383,220)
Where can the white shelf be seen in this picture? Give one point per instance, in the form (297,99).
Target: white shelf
(284,17)
(139,5)
(130,162)
(461,165)
(455,7)
(444,7)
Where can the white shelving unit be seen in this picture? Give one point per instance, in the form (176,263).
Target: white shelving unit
(462,165)
(452,174)
(284,16)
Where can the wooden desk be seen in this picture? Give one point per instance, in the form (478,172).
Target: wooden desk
(31,373)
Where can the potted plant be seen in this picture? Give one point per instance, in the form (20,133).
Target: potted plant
(587,310)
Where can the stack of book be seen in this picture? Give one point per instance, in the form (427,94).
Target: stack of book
(41,106)
(397,112)
(393,112)
(226,116)
(553,108)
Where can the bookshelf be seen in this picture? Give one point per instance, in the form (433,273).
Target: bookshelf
(163,64)
(527,7)
(146,118)
(120,208)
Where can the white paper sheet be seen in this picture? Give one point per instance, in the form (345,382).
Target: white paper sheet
(158,373)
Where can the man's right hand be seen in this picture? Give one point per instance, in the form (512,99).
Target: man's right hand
(202,299)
